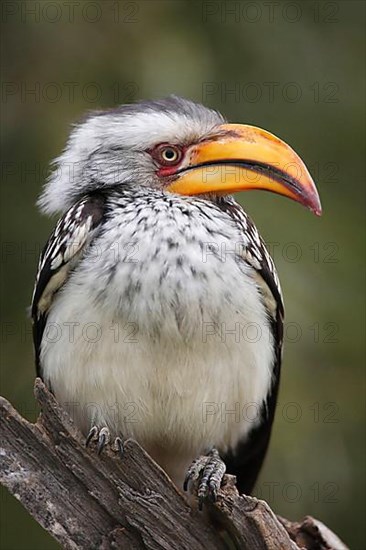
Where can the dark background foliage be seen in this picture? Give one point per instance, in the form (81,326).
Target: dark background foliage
(294,68)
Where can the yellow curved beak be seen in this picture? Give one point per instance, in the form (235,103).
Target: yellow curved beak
(242,157)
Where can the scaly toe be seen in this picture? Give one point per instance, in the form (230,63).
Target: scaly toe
(209,471)
(194,471)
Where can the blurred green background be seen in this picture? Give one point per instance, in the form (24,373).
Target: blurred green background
(294,68)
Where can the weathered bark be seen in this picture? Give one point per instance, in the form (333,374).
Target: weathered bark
(87,501)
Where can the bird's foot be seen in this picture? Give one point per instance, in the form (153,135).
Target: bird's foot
(205,476)
(102,437)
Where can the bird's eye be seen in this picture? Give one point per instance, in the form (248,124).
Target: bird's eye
(167,155)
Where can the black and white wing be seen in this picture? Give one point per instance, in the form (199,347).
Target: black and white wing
(63,250)
(246,460)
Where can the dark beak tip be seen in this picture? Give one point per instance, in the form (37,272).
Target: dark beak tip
(312,201)
(316,208)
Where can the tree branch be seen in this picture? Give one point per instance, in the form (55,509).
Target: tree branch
(87,501)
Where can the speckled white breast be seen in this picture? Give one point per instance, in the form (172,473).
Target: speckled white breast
(160,333)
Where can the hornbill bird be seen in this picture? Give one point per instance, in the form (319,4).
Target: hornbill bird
(157,311)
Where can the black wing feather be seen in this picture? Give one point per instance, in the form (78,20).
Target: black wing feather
(63,249)
(246,460)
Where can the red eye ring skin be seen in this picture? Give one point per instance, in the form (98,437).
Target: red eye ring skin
(168,157)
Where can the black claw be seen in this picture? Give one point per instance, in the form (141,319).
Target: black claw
(119,445)
(186,481)
(103,437)
(92,433)
(213,494)
(101,443)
